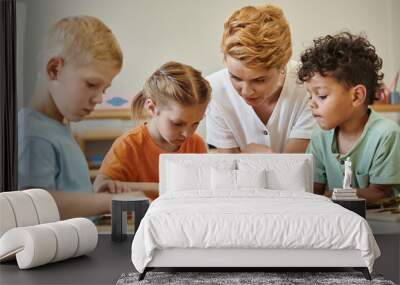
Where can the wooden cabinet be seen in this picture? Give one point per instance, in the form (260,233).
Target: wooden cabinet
(96,133)
(122,114)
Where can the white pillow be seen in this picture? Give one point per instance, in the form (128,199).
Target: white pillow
(236,179)
(281,173)
(292,179)
(187,177)
(223,179)
(192,174)
(251,178)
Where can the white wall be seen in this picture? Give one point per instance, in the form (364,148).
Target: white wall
(152,32)
(394,36)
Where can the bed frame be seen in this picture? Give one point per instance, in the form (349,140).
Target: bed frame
(245,259)
(242,259)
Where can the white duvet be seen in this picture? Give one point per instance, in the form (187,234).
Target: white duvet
(250,219)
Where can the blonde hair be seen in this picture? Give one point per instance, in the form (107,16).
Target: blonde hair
(172,81)
(82,40)
(258,36)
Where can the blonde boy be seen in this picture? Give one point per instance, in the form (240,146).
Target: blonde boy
(80,57)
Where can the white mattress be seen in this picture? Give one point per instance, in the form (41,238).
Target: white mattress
(253,218)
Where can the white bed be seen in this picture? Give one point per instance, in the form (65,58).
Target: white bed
(247,211)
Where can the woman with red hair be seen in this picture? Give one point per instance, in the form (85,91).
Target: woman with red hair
(257,104)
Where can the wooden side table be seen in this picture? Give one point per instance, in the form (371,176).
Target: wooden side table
(357,205)
(121,204)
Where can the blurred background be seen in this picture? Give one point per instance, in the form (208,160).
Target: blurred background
(152,32)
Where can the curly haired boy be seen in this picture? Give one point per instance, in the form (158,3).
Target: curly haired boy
(342,75)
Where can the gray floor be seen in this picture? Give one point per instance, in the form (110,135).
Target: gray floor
(102,266)
(387,235)
(110,259)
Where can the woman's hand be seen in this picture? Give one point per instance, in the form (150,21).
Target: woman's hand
(257,148)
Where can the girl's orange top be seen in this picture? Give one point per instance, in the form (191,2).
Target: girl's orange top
(134,156)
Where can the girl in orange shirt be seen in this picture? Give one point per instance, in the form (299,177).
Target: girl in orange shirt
(174,100)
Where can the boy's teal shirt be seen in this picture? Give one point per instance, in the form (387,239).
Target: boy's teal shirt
(48,155)
(375,156)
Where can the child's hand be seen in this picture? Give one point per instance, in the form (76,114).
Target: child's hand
(103,183)
(114,187)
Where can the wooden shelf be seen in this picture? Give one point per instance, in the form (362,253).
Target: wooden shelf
(122,114)
(99,135)
(92,136)
(386,107)
(112,124)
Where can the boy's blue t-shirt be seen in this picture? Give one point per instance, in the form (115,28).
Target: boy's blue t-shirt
(375,156)
(48,155)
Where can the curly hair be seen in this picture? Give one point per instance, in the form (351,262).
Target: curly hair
(349,59)
(258,36)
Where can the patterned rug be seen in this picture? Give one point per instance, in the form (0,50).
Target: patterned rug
(231,278)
